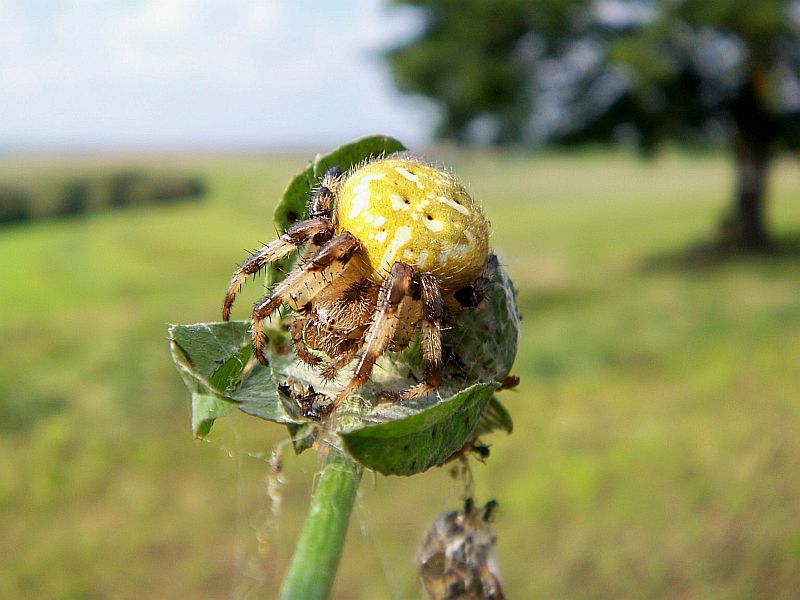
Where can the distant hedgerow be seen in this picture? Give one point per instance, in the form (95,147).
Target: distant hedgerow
(58,195)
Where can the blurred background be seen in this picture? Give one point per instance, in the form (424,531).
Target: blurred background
(638,160)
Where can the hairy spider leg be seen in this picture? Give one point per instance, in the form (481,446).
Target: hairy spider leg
(473,294)
(302,285)
(321,203)
(343,358)
(319,229)
(394,289)
(320,207)
(302,350)
(431,338)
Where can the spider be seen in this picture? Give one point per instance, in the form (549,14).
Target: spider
(389,249)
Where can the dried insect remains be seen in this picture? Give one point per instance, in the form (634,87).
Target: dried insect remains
(456,561)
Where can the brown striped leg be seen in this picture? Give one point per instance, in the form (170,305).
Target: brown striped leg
(320,205)
(431,339)
(303,352)
(329,370)
(304,283)
(320,229)
(396,286)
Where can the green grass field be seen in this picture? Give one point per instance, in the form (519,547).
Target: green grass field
(656,451)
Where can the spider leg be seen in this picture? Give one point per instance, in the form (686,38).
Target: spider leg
(395,287)
(320,206)
(303,284)
(296,329)
(473,294)
(343,358)
(431,339)
(299,233)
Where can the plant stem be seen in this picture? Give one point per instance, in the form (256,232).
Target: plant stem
(319,548)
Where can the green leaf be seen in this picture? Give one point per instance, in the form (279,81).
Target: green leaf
(485,339)
(302,436)
(227,377)
(421,440)
(495,417)
(293,205)
(258,395)
(216,364)
(206,408)
(205,347)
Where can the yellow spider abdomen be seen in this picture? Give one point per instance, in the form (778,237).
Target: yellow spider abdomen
(403,210)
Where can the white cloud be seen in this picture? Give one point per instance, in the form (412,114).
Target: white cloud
(182,71)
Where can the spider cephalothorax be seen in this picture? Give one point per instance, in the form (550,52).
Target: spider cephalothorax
(392,248)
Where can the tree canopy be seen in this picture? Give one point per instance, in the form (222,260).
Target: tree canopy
(636,71)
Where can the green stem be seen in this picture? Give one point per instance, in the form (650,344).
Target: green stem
(319,548)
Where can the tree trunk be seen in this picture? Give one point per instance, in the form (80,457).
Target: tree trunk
(746,227)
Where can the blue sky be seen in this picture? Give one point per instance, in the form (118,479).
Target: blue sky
(205,73)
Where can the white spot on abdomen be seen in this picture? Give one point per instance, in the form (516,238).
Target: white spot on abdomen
(398,202)
(422,260)
(362,194)
(360,202)
(363,185)
(407,174)
(434,225)
(410,176)
(402,236)
(453,204)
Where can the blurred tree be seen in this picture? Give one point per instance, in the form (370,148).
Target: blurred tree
(634,71)
(15,204)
